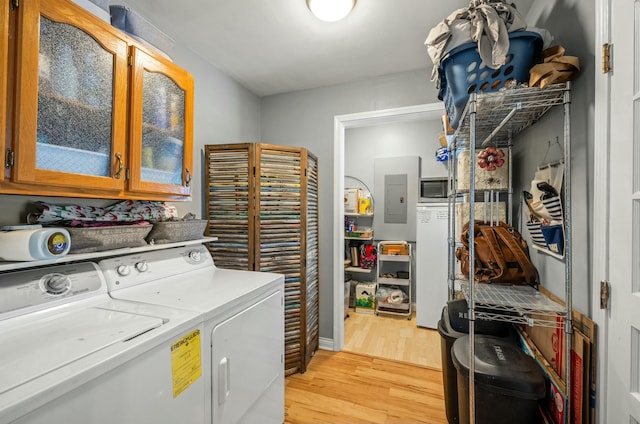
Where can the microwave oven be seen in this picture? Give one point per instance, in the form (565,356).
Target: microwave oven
(434,189)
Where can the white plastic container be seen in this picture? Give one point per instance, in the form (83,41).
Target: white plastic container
(34,244)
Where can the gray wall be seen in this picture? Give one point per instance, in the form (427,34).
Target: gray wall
(224,112)
(573,26)
(411,138)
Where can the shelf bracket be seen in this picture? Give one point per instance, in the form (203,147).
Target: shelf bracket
(504,122)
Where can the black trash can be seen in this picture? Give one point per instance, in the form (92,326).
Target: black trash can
(508,382)
(454,324)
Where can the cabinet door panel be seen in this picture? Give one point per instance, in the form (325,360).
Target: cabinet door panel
(4,67)
(74,84)
(161,133)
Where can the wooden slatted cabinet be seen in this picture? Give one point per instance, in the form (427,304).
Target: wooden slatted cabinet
(262,204)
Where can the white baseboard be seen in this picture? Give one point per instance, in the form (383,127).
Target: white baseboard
(326,344)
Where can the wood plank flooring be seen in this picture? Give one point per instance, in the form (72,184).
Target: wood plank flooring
(392,337)
(347,388)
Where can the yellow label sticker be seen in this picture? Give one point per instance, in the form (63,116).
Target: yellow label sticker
(186,362)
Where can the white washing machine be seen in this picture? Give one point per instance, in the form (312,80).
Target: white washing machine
(243,314)
(70,354)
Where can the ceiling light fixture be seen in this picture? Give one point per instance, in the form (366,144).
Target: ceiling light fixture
(330,10)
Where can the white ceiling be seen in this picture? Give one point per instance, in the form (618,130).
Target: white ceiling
(277,46)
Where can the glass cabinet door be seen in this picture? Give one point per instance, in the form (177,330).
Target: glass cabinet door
(161,126)
(75,85)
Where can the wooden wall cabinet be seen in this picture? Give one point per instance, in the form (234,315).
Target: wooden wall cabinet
(261,201)
(95,113)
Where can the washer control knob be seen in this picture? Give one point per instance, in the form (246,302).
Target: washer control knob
(195,256)
(142,266)
(56,284)
(122,270)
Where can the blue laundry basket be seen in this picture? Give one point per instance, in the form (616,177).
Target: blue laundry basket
(462,71)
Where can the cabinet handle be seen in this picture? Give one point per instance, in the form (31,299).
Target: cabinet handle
(120,166)
(187,178)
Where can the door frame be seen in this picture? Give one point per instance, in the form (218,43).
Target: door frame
(600,230)
(341,123)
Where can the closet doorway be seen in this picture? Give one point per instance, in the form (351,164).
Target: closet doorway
(431,112)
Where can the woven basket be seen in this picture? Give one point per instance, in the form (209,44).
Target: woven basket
(97,239)
(173,231)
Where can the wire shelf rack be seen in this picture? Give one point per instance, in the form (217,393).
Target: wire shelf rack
(515,304)
(503,114)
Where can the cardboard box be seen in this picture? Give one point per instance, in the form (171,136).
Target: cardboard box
(549,343)
(555,403)
(351,199)
(587,330)
(365,297)
(485,179)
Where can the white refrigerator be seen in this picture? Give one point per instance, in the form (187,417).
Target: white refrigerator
(431,262)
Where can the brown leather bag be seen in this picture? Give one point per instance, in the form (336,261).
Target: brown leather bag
(502,255)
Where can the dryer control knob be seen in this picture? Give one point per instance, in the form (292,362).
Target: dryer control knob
(122,270)
(142,266)
(56,284)
(195,256)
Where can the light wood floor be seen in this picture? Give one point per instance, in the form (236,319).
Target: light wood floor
(392,337)
(346,388)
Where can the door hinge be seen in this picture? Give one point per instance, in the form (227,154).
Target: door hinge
(606,58)
(9,158)
(605,290)
(130,60)
(15,4)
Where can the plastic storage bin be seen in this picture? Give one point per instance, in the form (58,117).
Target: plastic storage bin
(454,324)
(508,382)
(462,71)
(138,27)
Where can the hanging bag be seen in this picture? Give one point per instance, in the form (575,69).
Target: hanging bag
(502,255)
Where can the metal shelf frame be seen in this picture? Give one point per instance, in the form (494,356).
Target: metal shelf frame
(495,119)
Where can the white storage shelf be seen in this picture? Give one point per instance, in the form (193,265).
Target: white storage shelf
(358,269)
(366,217)
(398,307)
(389,266)
(10,266)
(394,281)
(394,258)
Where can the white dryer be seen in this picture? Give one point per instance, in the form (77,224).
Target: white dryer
(71,354)
(243,314)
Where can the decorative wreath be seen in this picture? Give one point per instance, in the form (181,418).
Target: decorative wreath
(491,158)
